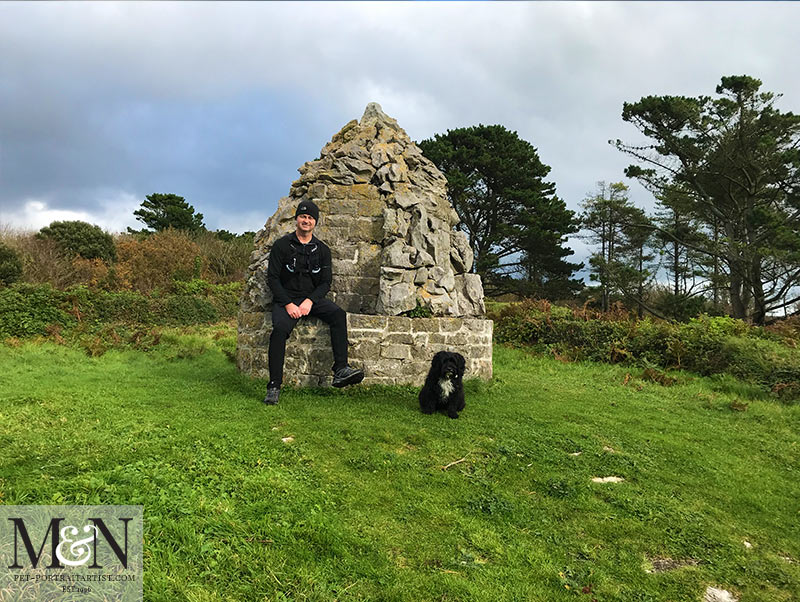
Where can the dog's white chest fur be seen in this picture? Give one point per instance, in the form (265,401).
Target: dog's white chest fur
(446,386)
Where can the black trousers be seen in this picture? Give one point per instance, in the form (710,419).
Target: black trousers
(283,325)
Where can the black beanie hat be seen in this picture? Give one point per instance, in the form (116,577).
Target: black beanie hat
(309,208)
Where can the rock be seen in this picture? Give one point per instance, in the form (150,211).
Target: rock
(405,199)
(394,223)
(460,252)
(381,154)
(396,256)
(373,114)
(395,297)
(714,594)
(362,172)
(423,259)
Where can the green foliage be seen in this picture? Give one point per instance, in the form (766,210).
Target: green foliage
(705,345)
(185,309)
(28,310)
(680,307)
(10,265)
(80,238)
(420,311)
(163,211)
(516,224)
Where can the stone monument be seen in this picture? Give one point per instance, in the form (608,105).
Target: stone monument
(385,215)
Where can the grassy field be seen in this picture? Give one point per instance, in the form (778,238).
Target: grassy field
(355,495)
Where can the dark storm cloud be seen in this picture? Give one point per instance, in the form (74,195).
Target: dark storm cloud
(103,103)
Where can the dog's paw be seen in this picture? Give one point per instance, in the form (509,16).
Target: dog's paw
(453,414)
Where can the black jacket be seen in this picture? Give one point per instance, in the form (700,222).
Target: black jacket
(299,271)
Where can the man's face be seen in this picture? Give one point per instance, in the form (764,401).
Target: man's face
(306,223)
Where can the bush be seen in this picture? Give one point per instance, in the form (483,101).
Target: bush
(182,310)
(80,238)
(157,261)
(120,306)
(28,310)
(43,260)
(226,255)
(706,345)
(10,265)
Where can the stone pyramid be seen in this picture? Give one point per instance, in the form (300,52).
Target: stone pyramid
(385,215)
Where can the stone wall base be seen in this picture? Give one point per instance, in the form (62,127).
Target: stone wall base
(391,349)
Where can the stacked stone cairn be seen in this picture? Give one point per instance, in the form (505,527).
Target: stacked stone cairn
(385,215)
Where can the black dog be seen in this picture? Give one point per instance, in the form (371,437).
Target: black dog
(443,389)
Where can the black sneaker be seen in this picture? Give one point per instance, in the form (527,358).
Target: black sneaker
(273,392)
(344,377)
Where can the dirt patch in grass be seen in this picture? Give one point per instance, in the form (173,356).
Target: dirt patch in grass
(662,564)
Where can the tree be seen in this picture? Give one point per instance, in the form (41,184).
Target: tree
(161,211)
(623,233)
(81,238)
(10,265)
(675,225)
(733,165)
(515,223)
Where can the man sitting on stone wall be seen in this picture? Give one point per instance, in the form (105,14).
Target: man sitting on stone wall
(299,276)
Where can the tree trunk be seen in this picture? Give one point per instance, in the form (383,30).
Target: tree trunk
(757,286)
(640,288)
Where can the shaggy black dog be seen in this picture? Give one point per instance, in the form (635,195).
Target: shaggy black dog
(443,389)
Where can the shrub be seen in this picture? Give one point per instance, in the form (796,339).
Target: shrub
(706,345)
(28,310)
(80,238)
(120,306)
(43,261)
(226,255)
(95,273)
(157,261)
(10,265)
(183,310)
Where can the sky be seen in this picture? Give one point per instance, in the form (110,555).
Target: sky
(103,103)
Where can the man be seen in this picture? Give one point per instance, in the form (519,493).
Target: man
(299,276)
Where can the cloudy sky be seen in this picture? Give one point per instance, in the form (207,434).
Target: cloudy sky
(102,103)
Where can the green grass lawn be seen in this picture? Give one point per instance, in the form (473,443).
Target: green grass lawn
(342,495)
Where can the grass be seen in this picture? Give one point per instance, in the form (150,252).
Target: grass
(342,495)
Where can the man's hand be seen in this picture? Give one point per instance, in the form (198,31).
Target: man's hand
(305,307)
(294,311)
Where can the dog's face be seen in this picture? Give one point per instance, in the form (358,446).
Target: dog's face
(448,364)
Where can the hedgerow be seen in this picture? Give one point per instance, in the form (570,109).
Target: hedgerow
(29,310)
(705,345)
